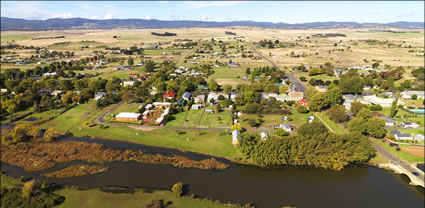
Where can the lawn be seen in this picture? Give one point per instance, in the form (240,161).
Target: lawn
(295,119)
(211,142)
(96,198)
(177,119)
(125,107)
(338,128)
(193,118)
(222,119)
(403,155)
(42,116)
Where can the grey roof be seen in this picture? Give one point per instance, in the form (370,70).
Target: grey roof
(403,135)
(395,132)
(186,94)
(388,120)
(286,126)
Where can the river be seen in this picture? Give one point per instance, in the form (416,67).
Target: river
(355,186)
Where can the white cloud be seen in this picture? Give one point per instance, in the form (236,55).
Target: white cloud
(204,18)
(94,17)
(108,16)
(209,4)
(64,15)
(148,17)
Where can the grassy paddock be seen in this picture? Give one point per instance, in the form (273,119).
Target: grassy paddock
(402,155)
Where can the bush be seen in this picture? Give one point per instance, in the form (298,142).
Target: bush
(375,108)
(302,109)
(178,189)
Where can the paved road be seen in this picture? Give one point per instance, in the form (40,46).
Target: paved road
(299,86)
(396,160)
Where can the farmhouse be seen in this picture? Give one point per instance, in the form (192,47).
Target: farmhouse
(388,121)
(126,116)
(285,127)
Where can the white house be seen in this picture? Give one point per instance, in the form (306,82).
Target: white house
(403,136)
(408,94)
(388,121)
(49,74)
(148,106)
(214,96)
(99,95)
(285,127)
(295,96)
(196,106)
(235,137)
(199,99)
(128,83)
(409,125)
(128,116)
(264,135)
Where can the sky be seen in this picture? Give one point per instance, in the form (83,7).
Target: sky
(261,11)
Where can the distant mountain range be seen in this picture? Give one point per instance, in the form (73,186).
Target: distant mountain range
(81,23)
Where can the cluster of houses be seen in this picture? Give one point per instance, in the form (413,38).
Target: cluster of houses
(400,136)
(149,108)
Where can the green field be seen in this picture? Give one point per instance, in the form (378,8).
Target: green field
(295,119)
(95,198)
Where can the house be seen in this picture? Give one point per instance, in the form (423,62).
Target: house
(196,106)
(148,106)
(161,104)
(303,102)
(199,99)
(56,92)
(310,119)
(186,96)
(235,137)
(169,95)
(295,96)
(264,135)
(366,87)
(47,74)
(388,121)
(233,64)
(403,136)
(233,95)
(337,72)
(126,116)
(99,95)
(214,96)
(285,127)
(419,137)
(209,111)
(128,83)
(146,113)
(409,94)
(159,120)
(384,102)
(409,125)
(3,90)
(133,75)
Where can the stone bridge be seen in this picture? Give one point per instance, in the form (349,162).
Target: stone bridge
(407,169)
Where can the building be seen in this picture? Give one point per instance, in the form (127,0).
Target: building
(209,111)
(99,95)
(384,102)
(409,94)
(56,92)
(235,137)
(303,102)
(126,116)
(169,95)
(337,72)
(148,106)
(419,137)
(285,127)
(295,96)
(159,120)
(409,125)
(49,74)
(128,83)
(214,96)
(196,106)
(264,135)
(401,136)
(186,96)
(389,122)
(161,104)
(199,99)
(310,119)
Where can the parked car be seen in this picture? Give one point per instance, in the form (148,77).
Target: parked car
(415,173)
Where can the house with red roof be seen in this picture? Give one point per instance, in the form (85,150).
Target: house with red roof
(169,95)
(133,75)
(143,77)
(303,102)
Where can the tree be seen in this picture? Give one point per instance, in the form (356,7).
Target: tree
(302,109)
(149,66)
(303,79)
(248,71)
(364,113)
(350,84)
(227,88)
(67,98)
(394,108)
(317,102)
(414,97)
(356,106)
(213,85)
(27,189)
(357,125)
(50,134)
(337,113)
(308,130)
(375,107)
(376,127)
(217,108)
(334,96)
(236,126)
(130,61)
(252,122)
(121,62)
(33,131)
(178,189)
(282,132)
(406,84)
(283,89)
(375,65)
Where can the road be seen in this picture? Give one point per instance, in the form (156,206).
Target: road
(299,86)
(396,160)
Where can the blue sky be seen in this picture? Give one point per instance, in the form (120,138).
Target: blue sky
(270,11)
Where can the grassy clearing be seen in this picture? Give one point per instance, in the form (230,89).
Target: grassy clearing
(9,182)
(379,158)
(402,155)
(295,119)
(223,119)
(193,118)
(95,198)
(338,128)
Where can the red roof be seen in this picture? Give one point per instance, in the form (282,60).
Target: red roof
(169,94)
(133,74)
(303,102)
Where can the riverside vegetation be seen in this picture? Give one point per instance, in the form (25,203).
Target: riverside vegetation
(312,146)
